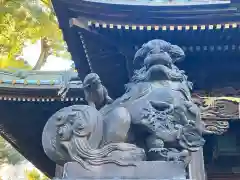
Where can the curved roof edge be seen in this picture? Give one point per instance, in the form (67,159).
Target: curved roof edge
(38,86)
(33,79)
(135,12)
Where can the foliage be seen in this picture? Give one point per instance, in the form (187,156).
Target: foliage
(35,175)
(23,21)
(8,154)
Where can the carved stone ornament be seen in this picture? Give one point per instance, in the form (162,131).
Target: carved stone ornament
(76,133)
(155,120)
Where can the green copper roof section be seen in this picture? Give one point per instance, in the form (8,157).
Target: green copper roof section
(39,78)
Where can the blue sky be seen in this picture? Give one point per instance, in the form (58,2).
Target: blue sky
(31,54)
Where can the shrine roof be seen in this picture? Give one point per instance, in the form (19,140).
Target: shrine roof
(37,86)
(27,100)
(102,36)
(40,79)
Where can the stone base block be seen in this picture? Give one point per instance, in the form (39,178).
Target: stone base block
(160,170)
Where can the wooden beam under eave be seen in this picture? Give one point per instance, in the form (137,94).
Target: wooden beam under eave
(219,108)
(216,127)
(217,111)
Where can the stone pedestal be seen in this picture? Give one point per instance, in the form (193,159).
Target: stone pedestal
(58,171)
(196,166)
(144,170)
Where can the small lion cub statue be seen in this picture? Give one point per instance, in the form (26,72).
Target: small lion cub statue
(95,92)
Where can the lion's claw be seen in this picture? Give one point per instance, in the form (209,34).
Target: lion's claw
(156,150)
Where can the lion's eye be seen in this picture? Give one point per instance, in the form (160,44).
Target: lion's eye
(61,131)
(80,126)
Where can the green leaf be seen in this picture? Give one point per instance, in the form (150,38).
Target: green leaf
(8,154)
(27,21)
